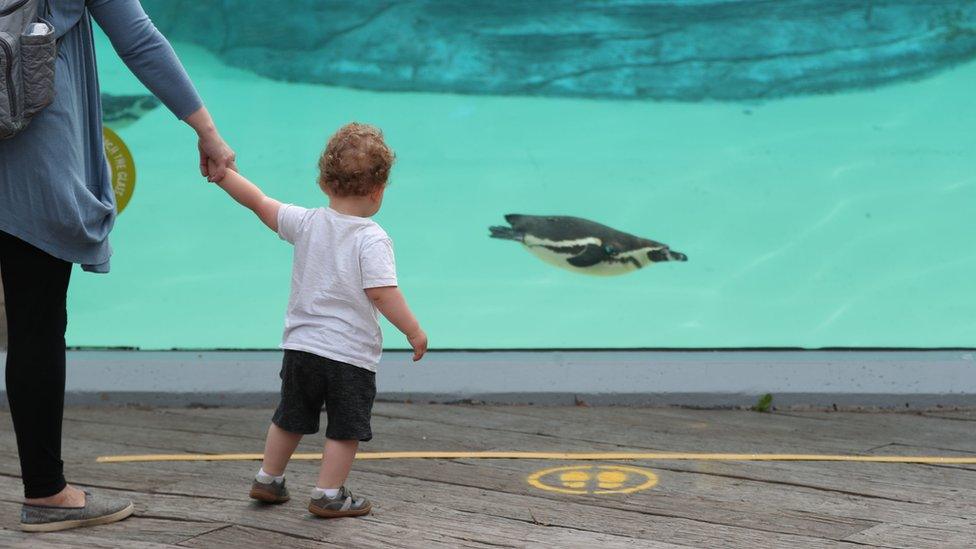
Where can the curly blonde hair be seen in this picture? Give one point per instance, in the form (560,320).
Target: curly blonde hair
(356,161)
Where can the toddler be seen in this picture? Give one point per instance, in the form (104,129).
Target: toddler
(343,272)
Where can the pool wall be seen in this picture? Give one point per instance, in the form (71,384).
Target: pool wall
(884,379)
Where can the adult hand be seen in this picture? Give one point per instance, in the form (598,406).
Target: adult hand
(215,155)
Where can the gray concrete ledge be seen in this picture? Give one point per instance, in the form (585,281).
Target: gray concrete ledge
(916,379)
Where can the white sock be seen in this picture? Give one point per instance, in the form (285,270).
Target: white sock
(265,478)
(330,493)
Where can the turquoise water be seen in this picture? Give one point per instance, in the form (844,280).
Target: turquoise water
(832,220)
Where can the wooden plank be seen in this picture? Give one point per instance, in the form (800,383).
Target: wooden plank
(817,431)
(681,429)
(914,537)
(140,528)
(81,468)
(958,415)
(235,537)
(185,420)
(576,427)
(872,427)
(897,448)
(81,539)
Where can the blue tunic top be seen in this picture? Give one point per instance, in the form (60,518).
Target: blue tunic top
(55,191)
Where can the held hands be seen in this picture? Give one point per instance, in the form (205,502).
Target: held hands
(419,343)
(215,156)
(212,167)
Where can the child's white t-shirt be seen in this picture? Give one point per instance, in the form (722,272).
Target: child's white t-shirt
(337,256)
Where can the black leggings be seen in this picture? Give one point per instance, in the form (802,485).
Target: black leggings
(35,287)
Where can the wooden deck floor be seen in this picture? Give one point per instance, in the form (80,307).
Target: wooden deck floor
(489,503)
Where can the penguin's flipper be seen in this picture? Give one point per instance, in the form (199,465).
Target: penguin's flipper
(505,233)
(590,256)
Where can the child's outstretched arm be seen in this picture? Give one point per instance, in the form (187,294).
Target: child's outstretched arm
(390,301)
(249,195)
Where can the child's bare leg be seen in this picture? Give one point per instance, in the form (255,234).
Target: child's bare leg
(278,448)
(269,482)
(336,462)
(329,498)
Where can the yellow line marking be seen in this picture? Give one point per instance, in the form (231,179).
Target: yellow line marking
(583,456)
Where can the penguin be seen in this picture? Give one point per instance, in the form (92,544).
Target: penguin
(583,246)
(119,111)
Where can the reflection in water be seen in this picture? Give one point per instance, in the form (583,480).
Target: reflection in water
(120,111)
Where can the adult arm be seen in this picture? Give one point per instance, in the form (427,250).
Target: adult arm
(250,196)
(151,58)
(390,301)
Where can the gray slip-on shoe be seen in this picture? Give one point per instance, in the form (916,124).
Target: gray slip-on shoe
(97,510)
(269,492)
(343,505)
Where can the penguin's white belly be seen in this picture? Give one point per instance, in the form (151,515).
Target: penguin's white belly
(537,246)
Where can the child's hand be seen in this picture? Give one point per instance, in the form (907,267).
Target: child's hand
(419,343)
(212,168)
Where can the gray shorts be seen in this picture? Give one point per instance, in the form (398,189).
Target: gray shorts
(310,381)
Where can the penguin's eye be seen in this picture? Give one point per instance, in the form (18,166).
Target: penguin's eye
(610,250)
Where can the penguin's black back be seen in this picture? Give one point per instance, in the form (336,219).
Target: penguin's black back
(561,228)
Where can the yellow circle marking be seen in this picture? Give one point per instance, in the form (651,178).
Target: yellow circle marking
(122,166)
(593,479)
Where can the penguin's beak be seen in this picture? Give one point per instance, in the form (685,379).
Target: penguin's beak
(665,254)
